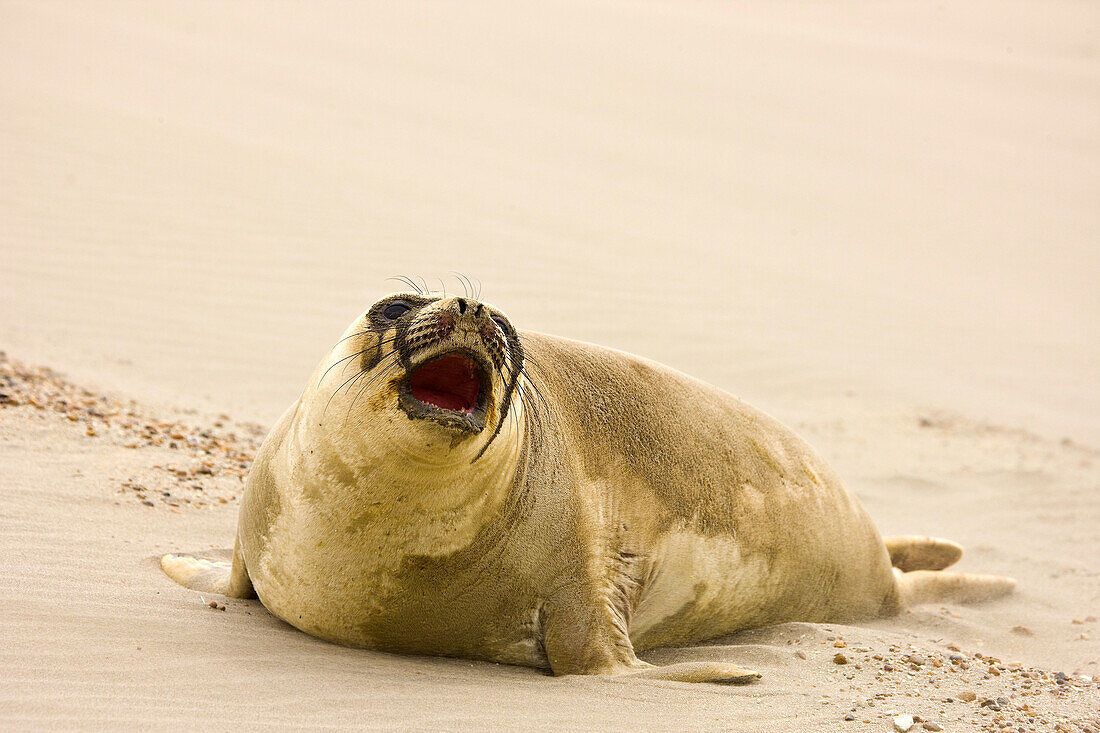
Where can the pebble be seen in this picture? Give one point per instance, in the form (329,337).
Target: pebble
(968,696)
(800,654)
(903,723)
(840,659)
(932,726)
(219,456)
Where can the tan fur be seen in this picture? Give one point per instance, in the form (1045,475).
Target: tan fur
(623,505)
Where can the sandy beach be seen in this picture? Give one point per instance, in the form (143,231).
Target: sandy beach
(877,222)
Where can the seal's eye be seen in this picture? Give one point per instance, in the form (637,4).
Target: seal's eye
(393,311)
(501,324)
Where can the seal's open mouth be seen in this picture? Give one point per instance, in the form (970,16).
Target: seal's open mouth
(450,382)
(452,390)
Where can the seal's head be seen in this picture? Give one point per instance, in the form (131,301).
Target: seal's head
(436,375)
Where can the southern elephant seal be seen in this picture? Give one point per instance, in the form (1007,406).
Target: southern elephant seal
(472,490)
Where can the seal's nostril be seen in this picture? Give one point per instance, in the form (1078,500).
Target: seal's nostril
(461,306)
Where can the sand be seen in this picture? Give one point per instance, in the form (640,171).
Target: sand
(878,222)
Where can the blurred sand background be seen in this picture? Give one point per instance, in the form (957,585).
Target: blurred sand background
(877,221)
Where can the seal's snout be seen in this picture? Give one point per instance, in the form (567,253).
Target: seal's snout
(462,305)
(453,351)
(449,382)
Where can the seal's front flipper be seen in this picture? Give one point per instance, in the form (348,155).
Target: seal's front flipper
(914,552)
(700,672)
(222,576)
(582,637)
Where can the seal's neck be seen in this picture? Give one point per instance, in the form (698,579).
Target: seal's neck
(406,501)
(441,483)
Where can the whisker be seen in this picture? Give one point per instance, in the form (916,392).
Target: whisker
(530,378)
(467,286)
(535,389)
(513,416)
(408,281)
(378,345)
(531,397)
(358,375)
(459,279)
(357,394)
(537,395)
(357,333)
(388,366)
(528,360)
(337,390)
(335,363)
(366,386)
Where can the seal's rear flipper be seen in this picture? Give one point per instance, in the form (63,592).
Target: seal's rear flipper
(912,552)
(930,586)
(222,576)
(700,672)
